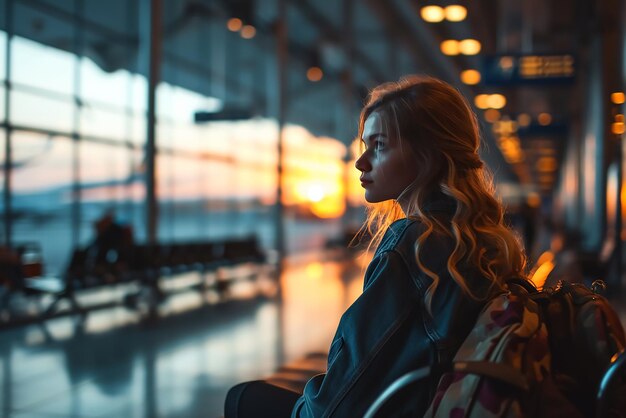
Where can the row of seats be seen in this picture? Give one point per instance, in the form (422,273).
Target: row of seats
(144,264)
(93,267)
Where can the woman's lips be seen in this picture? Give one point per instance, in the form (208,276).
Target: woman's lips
(365,182)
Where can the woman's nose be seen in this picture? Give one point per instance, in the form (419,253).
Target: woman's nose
(362,164)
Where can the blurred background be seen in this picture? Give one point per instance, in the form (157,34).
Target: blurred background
(178,183)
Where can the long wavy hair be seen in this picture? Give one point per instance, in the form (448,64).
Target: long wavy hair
(442,132)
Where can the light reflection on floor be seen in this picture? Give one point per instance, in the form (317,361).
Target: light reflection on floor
(180,366)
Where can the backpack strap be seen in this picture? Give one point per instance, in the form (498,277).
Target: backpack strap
(498,371)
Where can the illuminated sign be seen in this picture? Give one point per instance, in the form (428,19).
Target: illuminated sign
(528,69)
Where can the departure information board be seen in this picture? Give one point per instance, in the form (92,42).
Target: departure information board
(529,69)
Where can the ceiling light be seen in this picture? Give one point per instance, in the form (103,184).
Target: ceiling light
(506,63)
(314,74)
(234,24)
(492,115)
(523,119)
(496,101)
(469,47)
(618,97)
(544,119)
(481,101)
(533,200)
(450,47)
(455,13)
(432,14)
(248,32)
(546,164)
(470,77)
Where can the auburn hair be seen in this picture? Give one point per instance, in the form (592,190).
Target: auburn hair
(442,132)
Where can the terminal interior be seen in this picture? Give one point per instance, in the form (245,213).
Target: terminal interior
(217,138)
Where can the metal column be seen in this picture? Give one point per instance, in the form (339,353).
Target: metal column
(79,36)
(8,159)
(282,55)
(153,80)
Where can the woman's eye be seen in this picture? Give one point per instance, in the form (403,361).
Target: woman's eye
(379,145)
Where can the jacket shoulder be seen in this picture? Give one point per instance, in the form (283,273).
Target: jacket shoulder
(402,238)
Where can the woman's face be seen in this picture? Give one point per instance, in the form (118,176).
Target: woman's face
(387,166)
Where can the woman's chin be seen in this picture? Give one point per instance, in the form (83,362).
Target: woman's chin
(369,198)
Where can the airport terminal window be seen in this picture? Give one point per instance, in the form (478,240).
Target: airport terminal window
(41,162)
(176,106)
(103,123)
(185,197)
(3,55)
(164,134)
(138,130)
(2,103)
(2,154)
(139,94)
(164,189)
(34,110)
(107,177)
(27,59)
(257,184)
(42,181)
(214,180)
(106,167)
(185,137)
(134,209)
(100,87)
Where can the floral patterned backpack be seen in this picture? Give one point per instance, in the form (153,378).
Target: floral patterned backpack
(532,354)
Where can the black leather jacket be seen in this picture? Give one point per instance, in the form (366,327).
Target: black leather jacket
(387,331)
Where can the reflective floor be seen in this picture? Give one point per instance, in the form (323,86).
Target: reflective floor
(115,365)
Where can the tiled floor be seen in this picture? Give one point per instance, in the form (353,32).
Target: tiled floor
(180,366)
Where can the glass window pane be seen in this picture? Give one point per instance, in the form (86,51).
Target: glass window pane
(102,123)
(139,94)
(220,214)
(165,195)
(184,137)
(26,66)
(37,111)
(103,166)
(179,105)
(135,207)
(42,181)
(2,154)
(106,179)
(254,183)
(164,133)
(3,54)
(100,86)
(187,191)
(138,131)
(2,106)
(215,138)
(40,161)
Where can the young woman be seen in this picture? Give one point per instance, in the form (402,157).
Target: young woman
(442,251)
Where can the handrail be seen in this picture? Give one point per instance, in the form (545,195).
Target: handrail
(618,364)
